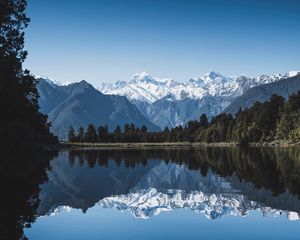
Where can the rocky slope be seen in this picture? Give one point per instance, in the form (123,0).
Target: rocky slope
(284,88)
(79,104)
(167,102)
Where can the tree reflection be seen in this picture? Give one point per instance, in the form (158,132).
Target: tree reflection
(275,169)
(21,174)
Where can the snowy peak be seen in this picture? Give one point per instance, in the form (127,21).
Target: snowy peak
(141,87)
(51,81)
(145,78)
(142,77)
(293,73)
(212,77)
(145,88)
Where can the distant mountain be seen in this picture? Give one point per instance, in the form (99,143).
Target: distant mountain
(79,104)
(171,113)
(284,88)
(167,102)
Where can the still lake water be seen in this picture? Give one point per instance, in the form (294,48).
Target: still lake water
(204,193)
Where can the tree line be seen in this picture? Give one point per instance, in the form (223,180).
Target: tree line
(272,120)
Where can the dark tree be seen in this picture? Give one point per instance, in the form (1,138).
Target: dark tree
(126,128)
(144,129)
(91,135)
(21,122)
(118,130)
(81,135)
(71,134)
(117,135)
(102,134)
(203,123)
(132,128)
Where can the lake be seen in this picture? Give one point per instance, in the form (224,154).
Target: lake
(194,193)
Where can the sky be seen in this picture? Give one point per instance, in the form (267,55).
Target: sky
(108,40)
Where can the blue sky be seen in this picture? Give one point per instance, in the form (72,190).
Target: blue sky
(108,40)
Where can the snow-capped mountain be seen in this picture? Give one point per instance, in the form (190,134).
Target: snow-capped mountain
(262,93)
(51,81)
(79,104)
(167,102)
(144,87)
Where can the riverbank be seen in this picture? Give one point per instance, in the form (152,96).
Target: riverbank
(174,145)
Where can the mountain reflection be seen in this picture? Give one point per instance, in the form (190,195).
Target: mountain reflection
(213,181)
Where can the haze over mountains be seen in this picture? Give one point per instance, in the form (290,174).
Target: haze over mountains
(156,103)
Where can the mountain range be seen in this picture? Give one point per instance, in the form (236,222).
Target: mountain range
(284,88)
(156,103)
(168,103)
(79,104)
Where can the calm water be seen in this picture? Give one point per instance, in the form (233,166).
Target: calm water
(208,193)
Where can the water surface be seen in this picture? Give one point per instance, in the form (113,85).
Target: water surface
(215,193)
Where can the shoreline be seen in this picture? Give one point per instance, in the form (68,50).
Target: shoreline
(67,145)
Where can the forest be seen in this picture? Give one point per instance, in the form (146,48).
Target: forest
(273,120)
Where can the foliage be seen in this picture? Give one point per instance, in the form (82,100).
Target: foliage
(263,122)
(21,122)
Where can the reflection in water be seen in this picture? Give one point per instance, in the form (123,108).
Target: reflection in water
(213,181)
(21,173)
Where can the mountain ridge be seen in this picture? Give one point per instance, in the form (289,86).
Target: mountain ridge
(283,87)
(79,104)
(163,100)
(212,83)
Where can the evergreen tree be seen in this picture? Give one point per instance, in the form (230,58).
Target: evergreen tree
(81,135)
(91,135)
(166,133)
(71,134)
(117,134)
(126,128)
(118,130)
(21,122)
(203,123)
(102,134)
(144,129)
(132,128)
(288,127)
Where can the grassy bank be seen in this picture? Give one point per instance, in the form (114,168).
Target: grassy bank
(174,145)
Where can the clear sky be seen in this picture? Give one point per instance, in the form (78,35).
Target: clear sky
(108,40)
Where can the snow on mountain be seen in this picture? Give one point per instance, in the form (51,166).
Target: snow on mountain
(169,103)
(150,202)
(51,81)
(143,87)
(293,73)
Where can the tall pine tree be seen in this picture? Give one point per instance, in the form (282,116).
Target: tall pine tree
(21,123)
